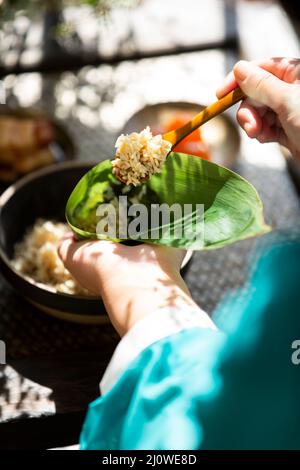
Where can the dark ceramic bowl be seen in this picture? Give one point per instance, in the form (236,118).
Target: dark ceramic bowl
(44,194)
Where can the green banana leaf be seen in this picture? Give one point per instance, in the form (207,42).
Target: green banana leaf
(232,209)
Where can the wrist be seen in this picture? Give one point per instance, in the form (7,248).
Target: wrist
(129,300)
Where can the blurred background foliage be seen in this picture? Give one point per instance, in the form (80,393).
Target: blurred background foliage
(30,8)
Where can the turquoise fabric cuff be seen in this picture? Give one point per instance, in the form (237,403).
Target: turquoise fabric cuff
(143,410)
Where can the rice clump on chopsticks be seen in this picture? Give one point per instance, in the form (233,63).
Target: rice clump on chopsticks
(139,156)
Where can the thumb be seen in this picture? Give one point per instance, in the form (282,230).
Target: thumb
(260,85)
(64,248)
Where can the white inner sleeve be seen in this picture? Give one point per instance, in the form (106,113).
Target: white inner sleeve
(154,327)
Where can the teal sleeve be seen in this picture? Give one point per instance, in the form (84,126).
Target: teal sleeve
(200,389)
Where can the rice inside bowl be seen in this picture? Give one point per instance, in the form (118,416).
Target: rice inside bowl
(36,258)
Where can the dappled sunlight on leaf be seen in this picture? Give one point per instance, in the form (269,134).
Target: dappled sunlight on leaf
(232,208)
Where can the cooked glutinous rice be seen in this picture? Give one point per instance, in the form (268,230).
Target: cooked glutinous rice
(139,155)
(36,258)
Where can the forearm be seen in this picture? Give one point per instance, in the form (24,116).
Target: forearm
(128,304)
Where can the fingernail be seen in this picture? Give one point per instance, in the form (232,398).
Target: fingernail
(241,70)
(248,127)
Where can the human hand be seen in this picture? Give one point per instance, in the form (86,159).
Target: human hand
(133,281)
(271,113)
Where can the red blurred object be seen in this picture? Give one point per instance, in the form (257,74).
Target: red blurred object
(193,143)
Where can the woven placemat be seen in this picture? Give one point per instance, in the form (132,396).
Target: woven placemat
(28,331)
